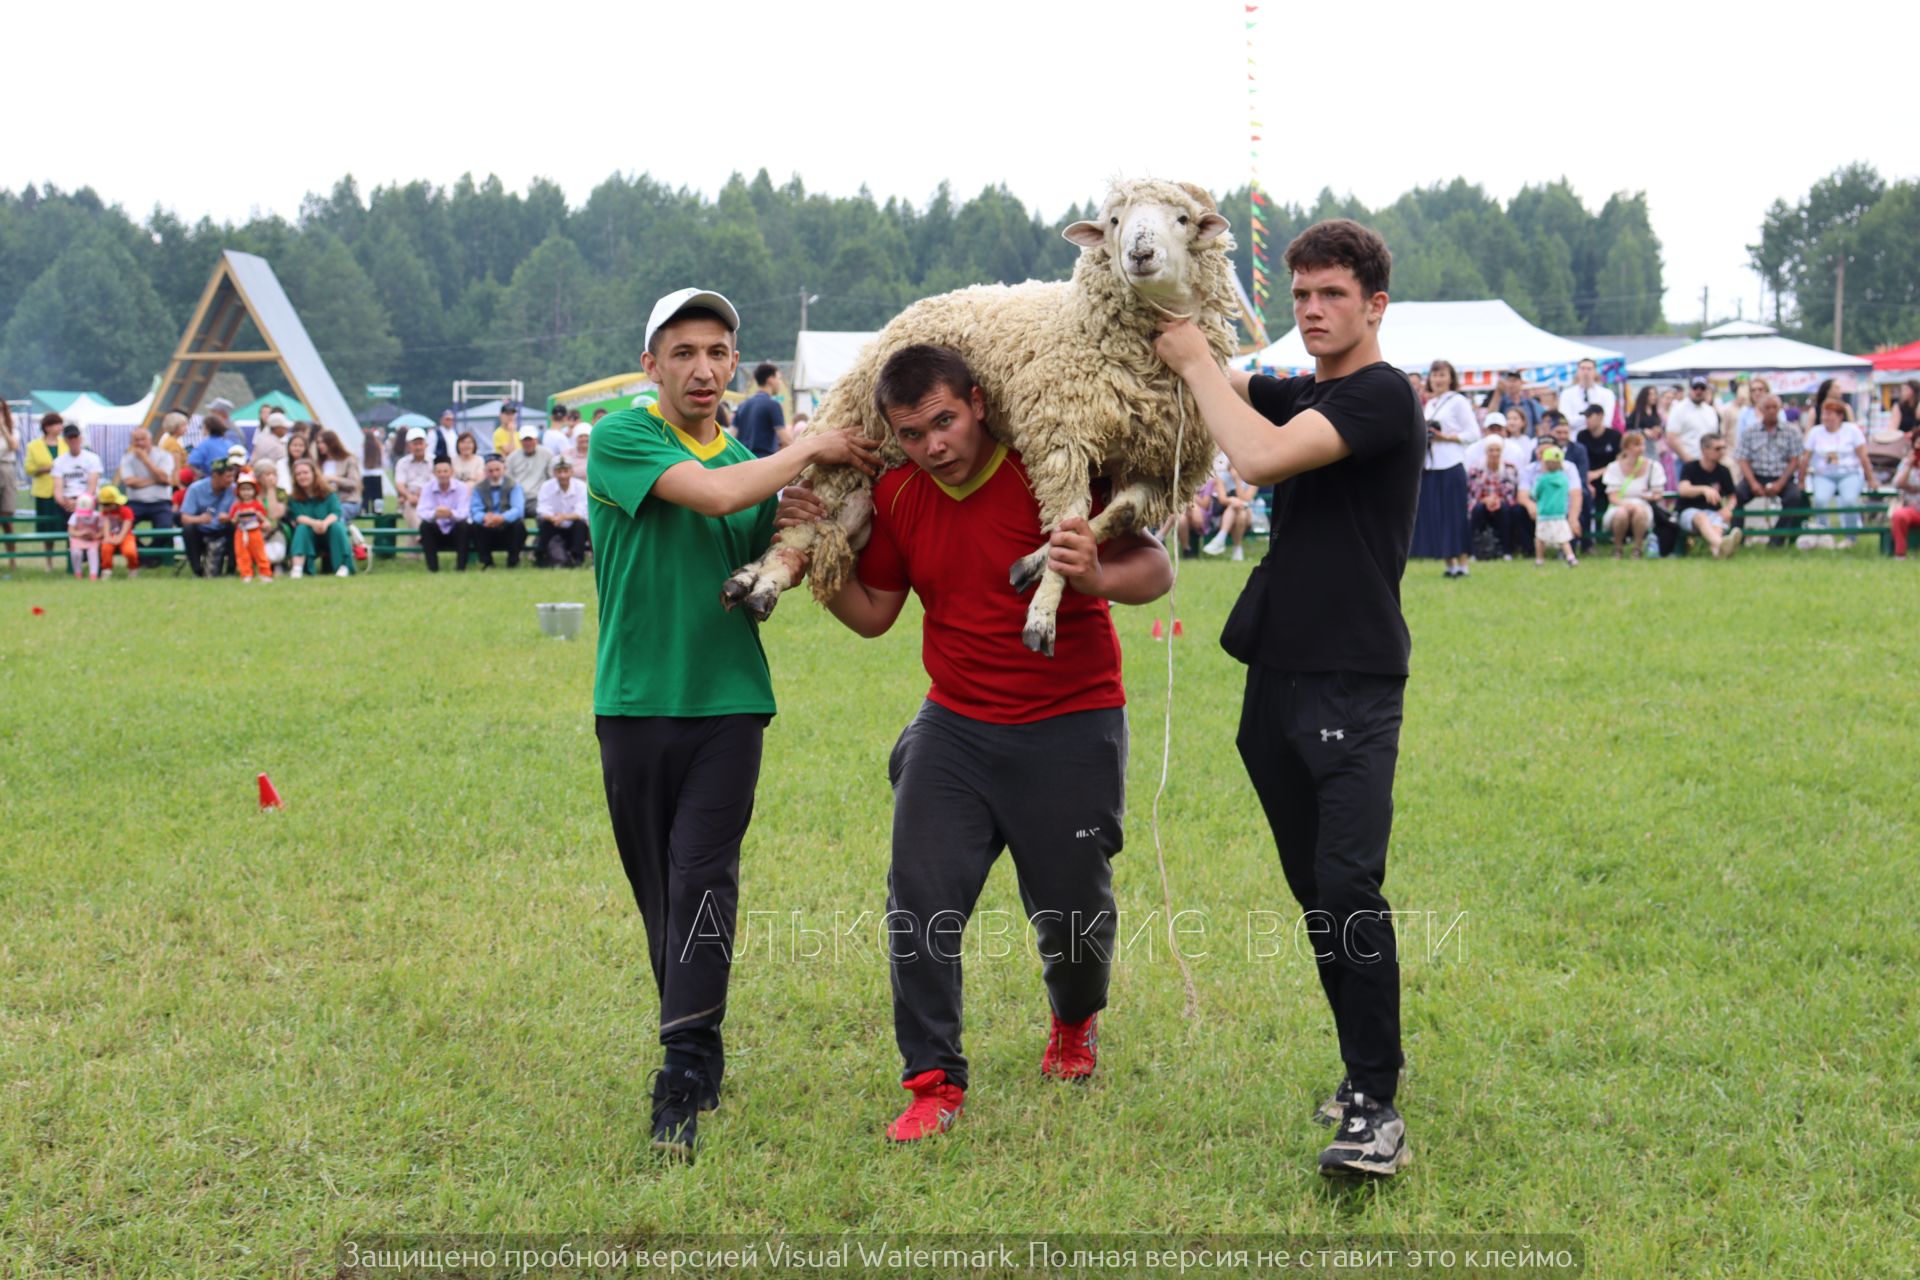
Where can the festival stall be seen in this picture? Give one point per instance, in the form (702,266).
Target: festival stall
(1480,339)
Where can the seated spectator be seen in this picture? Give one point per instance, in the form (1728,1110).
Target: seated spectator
(76,471)
(558,440)
(1707,496)
(1233,509)
(468,467)
(411,476)
(204,523)
(1836,457)
(342,472)
(1511,401)
(116,534)
(1198,522)
(1493,489)
(528,466)
(506,432)
(173,428)
(497,515)
(561,539)
(1633,484)
(147,472)
(299,445)
(270,442)
(1906,507)
(319,527)
(1661,450)
(1768,459)
(578,457)
(214,443)
(444,507)
(444,441)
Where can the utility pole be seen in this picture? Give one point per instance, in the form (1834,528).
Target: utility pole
(1839,300)
(1705,315)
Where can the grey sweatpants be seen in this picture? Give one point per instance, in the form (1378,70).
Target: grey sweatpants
(1052,793)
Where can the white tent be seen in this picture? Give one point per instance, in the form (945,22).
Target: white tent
(1743,350)
(820,356)
(1480,339)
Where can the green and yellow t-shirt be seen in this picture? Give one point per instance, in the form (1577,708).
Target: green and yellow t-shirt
(667,645)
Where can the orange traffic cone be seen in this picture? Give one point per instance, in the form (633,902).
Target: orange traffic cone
(1157,632)
(1178,630)
(269,798)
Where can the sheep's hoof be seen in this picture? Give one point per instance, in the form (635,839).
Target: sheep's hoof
(1038,636)
(1027,570)
(760,603)
(735,589)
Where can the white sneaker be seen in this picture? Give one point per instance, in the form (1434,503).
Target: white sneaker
(1826,542)
(343,572)
(247,580)
(1214,545)
(1731,542)
(1239,553)
(299,571)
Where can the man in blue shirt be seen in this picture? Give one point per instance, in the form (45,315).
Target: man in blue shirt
(219,440)
(759,423)
(497,516)
(203,519)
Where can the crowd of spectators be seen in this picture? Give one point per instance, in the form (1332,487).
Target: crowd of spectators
(1678,463)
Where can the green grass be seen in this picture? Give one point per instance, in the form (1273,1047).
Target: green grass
(1674,802)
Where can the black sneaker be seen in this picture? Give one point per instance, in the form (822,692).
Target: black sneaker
(676,1112)
(1334,1109)
(1372,1140)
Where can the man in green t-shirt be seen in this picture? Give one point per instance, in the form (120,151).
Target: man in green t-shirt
(681,691)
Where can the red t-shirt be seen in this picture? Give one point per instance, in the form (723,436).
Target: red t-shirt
(953,548)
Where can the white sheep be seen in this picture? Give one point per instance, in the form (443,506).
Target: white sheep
(1071,383)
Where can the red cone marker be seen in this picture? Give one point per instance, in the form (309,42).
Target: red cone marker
(269,798)
(1157,632)
(37,611)
(1178,630)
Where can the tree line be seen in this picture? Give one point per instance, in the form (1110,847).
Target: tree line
(419,285)
(1854,240)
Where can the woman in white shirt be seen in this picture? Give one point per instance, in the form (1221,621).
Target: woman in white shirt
(1440,524)
(1836,460)
(1634,482)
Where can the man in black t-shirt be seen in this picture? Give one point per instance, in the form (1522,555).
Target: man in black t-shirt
(1320,629)
(1602,444)
(1707,495)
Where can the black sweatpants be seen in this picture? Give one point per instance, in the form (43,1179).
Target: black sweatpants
(680,794)
(1320,747)
(433,541)
(572,536)
(508,537)
(1052,793)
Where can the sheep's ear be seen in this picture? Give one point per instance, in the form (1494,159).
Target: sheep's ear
(1211,225)
(1085,234)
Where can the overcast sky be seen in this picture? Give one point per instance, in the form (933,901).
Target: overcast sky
(228,107)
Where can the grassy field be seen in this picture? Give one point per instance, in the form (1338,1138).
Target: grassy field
(1657,820)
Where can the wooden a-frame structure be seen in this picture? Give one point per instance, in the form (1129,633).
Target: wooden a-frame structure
(243,287)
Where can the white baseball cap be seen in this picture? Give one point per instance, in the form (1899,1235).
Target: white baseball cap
(416,433)
(529,432)
(679,300)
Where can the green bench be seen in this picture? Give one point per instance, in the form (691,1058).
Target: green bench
(156,545)
(1824,514)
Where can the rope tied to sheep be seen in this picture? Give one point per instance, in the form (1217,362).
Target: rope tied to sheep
(1192,1006)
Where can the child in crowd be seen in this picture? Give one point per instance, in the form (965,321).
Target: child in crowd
(1555,506)
(250,521)
(84,528)
(117,517)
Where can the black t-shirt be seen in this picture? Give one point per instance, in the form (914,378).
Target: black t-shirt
(1720,478)
(1601,449)
(1327,596)
(756,421)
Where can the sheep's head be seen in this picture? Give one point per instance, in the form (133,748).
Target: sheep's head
(1151,232)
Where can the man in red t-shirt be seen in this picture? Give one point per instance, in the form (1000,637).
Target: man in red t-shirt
(1011,750)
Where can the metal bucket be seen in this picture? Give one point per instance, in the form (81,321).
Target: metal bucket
(561,621)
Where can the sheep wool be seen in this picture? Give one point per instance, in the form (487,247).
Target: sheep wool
(1071,382)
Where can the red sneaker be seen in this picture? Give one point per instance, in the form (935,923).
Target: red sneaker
(935,1106)
(1071,1048)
